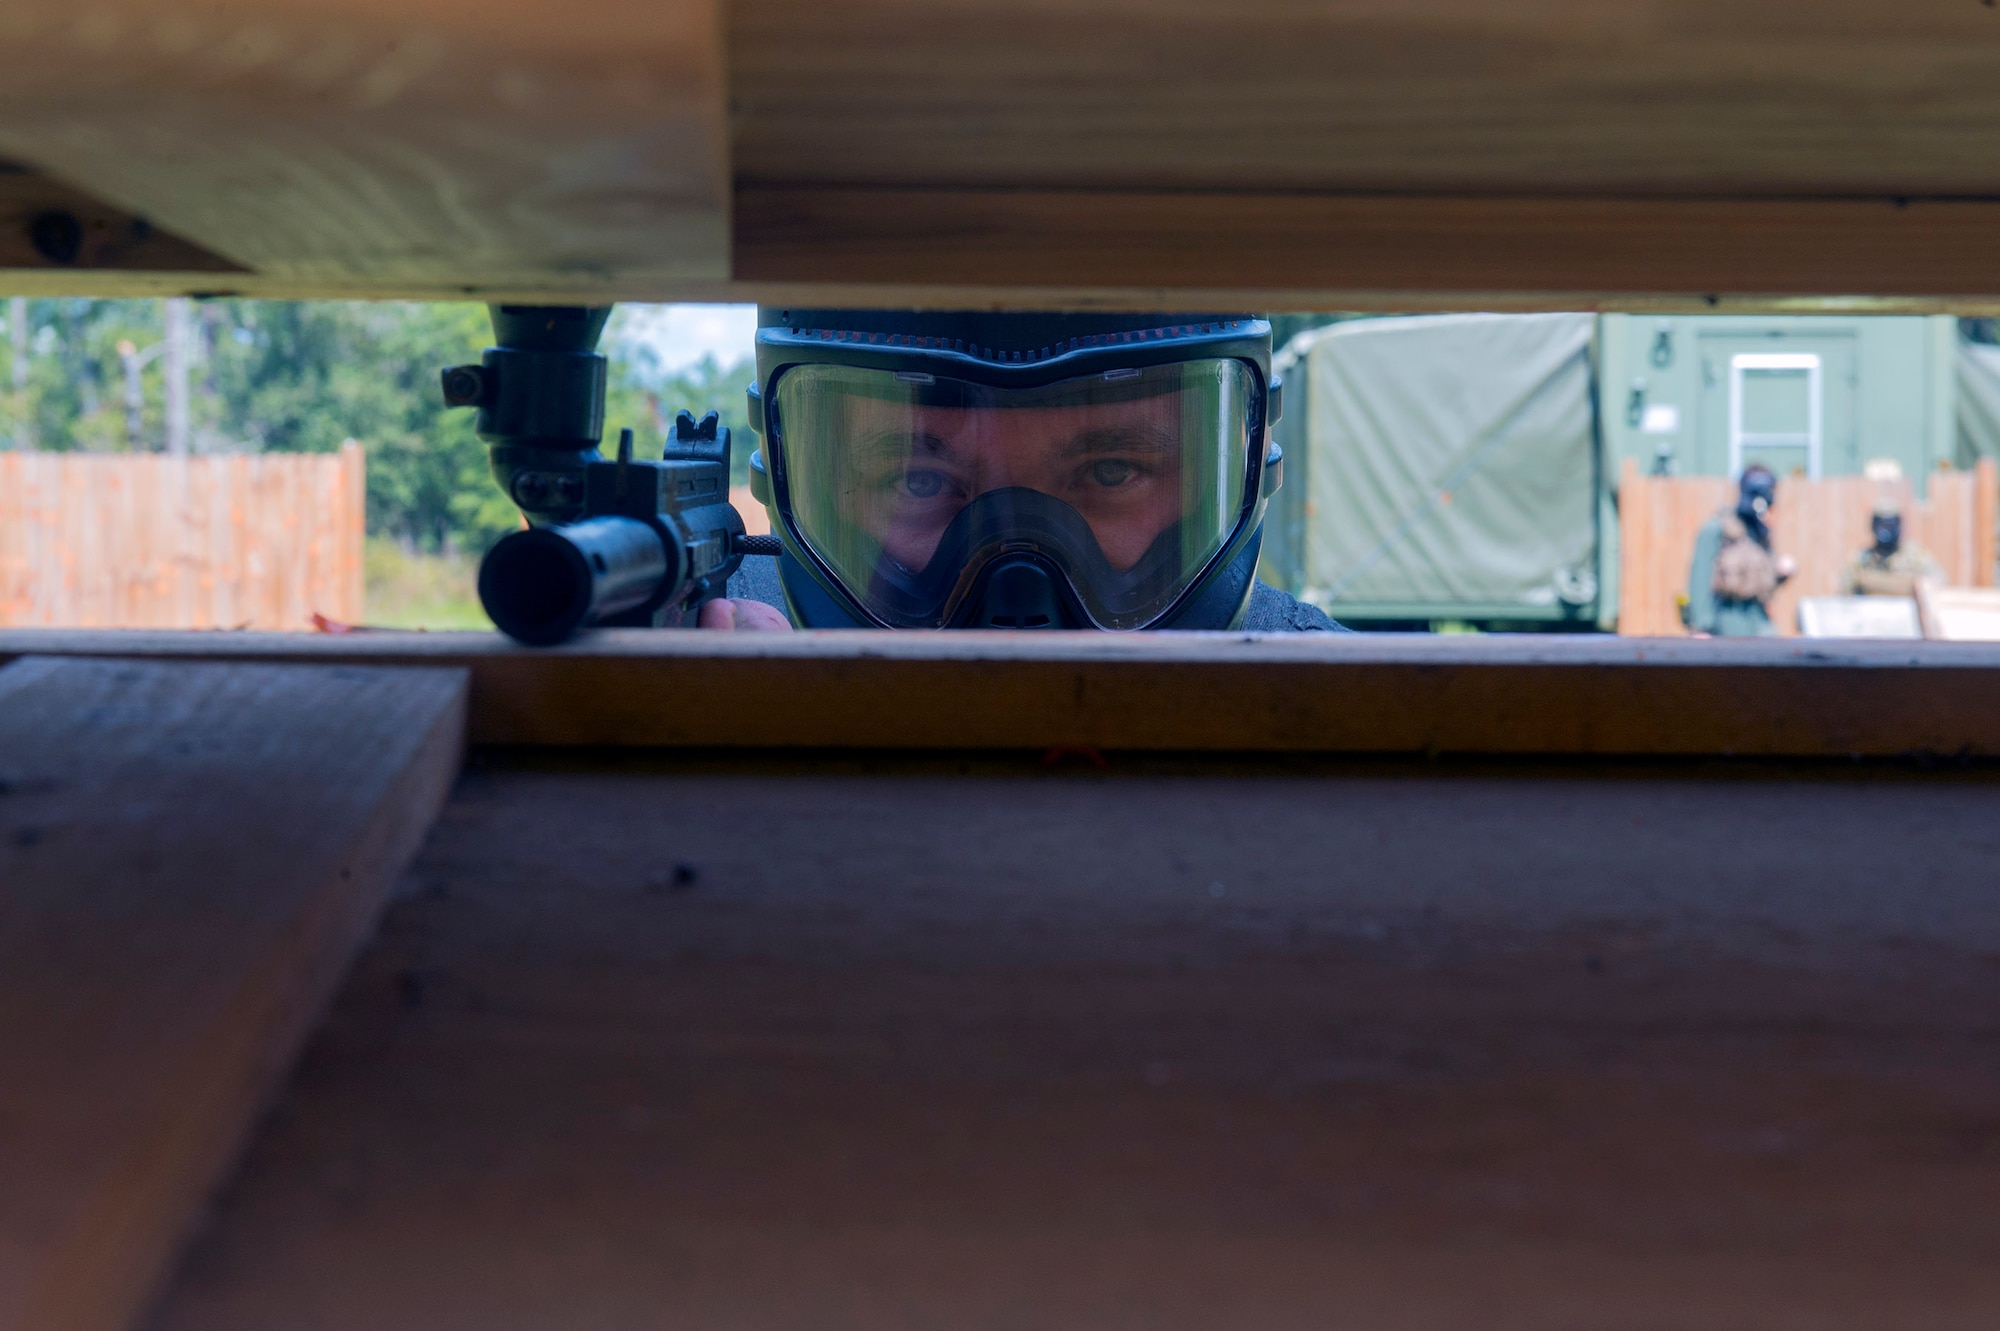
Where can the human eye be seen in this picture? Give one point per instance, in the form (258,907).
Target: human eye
(923,483)
(1110,473)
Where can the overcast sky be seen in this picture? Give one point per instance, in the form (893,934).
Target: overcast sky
(682,334)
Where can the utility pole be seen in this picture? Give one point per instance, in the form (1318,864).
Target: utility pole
(17,343)
(135,361)
(174,366)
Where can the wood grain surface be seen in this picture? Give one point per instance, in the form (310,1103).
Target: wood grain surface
(362,147)
(1381,154)
(1298,693)
(1438,1047)
(1366,153)
(1255,249)
(1608,97)
(190,855)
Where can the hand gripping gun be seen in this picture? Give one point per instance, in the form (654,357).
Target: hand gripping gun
(621,542)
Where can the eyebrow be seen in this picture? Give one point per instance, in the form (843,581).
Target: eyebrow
(897,445)
(1119,439)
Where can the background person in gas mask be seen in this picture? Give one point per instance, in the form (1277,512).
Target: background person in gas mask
(1734,572)
(1892,565)
(1022,471)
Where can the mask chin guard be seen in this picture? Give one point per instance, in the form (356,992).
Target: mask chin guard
(1019,593)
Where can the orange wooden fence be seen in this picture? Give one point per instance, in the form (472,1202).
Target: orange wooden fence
(1819,523)
(119,541)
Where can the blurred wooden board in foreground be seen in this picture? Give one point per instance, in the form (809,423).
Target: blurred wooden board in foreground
(189,855)
(1357,154)
(840,1042)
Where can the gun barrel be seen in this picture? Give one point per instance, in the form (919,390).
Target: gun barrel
(541,585)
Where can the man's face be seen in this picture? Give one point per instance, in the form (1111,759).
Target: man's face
(913,468)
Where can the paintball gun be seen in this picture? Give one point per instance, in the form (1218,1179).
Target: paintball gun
(613,542)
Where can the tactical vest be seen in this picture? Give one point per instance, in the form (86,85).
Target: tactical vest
(1744,570)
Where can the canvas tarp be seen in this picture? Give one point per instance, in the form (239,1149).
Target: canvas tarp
(1978,402)
(1452,462)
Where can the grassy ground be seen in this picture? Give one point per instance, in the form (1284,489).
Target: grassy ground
(409,590)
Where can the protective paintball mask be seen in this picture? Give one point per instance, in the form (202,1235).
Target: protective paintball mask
(1110,478)
(1757,491)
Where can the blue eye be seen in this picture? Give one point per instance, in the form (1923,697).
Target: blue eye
(923,484)
(1111,471)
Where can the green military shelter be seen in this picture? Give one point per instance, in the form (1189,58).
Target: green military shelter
(1440,467)
(1463,467)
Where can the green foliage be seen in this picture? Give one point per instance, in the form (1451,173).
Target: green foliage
(270,376)
(643,390)
(302,378)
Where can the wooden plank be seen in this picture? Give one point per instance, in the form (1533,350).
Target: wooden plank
(1251,249)
(1986,522)
(191,854)
(1608,97)
(1366,154)
(361,147)
(1357,154)
(1296,693)
(1411,1048)
(350,537)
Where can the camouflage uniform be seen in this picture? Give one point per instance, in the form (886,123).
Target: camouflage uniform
(1871,573)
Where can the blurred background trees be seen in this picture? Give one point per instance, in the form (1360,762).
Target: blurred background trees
(271,376)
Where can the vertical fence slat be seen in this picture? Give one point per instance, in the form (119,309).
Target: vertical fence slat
(352,533)
(14,537)
(1986,522)
(192,543)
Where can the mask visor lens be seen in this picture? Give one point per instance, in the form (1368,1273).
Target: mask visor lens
(879,464)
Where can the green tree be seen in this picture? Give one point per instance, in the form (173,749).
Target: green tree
(304,377)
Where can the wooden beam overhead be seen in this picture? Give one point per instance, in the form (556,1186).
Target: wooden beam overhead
(361,147)
(49,227)
(1577,97)
(1361,153)
(1184,250)
(1369,153)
